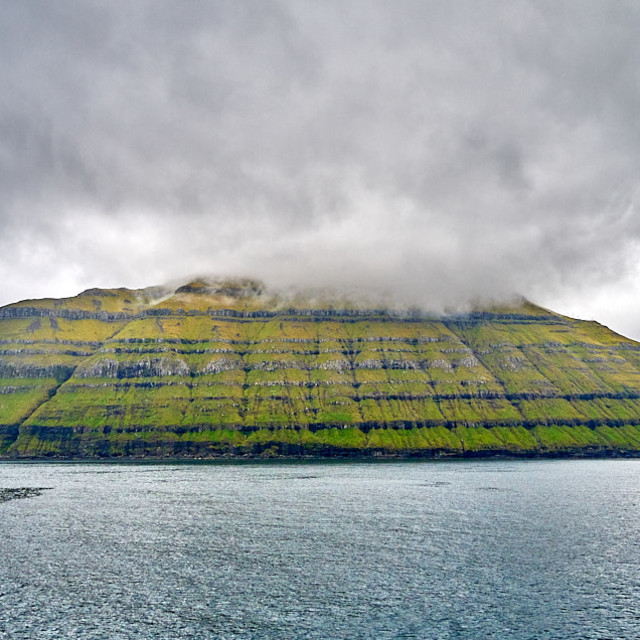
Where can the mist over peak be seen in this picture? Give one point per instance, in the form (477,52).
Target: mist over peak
(280,295)
(434,154)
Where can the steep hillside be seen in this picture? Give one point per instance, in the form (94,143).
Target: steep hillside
(217,368)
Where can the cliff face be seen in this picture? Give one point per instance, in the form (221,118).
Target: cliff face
(220,367)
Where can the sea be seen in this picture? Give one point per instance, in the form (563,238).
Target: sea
(486,549)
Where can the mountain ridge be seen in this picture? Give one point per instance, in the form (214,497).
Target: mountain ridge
(225,367)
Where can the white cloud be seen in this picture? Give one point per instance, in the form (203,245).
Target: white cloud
(441,151)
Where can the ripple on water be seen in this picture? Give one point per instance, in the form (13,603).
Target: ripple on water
(519,550)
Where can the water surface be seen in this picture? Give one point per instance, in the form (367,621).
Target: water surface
(486,549)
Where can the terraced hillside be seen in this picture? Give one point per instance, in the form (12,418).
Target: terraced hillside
(217,368)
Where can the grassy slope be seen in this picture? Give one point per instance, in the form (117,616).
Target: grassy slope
(119,372)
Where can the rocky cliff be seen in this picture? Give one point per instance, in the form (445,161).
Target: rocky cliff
(224,368)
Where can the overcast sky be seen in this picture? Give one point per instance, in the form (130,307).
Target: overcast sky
(440,150)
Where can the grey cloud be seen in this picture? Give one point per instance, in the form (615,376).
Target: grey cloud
(442,150)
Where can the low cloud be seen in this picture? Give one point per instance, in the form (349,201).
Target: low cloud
(439,152)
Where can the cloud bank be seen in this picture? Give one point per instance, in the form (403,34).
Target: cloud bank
(443,151)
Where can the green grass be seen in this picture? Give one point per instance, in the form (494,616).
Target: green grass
(479,439)
(523,381)
(552,439)
(16,406)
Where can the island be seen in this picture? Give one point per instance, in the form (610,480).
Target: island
(226,368)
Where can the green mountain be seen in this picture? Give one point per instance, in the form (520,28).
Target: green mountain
(221,367)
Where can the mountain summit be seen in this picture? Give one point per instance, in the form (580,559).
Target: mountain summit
(225,367)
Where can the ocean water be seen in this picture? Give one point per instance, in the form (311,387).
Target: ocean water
(465,549)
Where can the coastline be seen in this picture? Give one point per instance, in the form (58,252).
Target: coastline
(343,457)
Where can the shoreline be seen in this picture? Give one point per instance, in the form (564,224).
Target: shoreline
(327,459)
